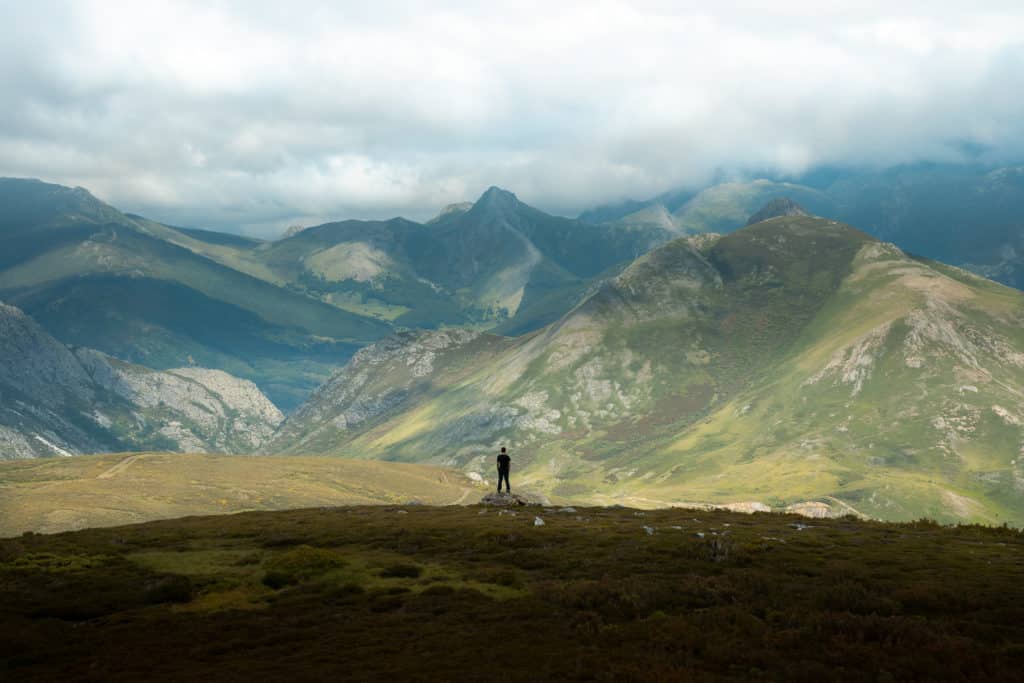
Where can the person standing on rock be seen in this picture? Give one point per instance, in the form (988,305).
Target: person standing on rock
(504,465)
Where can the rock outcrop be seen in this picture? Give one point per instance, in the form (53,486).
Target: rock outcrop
(505,499)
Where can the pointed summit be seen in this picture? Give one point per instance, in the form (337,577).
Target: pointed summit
(780,206)
(495,198)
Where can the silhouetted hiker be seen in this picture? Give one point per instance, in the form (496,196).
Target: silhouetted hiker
(504,465)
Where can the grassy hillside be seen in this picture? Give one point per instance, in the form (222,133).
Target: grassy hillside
(61,494)
(464,593)
(794,361)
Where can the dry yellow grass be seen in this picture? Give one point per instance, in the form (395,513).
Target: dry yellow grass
(59,495)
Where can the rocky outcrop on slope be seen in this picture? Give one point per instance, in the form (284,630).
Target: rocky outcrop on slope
(201,410)
(505,499)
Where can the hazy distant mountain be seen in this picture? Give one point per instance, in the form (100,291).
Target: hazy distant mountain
(494,262)
(963,215)
(55,401)
(793,360)
(958,213)
(505,255)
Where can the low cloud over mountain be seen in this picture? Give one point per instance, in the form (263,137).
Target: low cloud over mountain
(253,117)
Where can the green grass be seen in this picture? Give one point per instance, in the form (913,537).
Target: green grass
(422,593)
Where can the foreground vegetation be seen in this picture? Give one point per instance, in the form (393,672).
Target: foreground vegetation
(471,593)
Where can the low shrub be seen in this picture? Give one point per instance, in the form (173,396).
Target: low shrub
(278,580)
(401,571)
(169,588)
(300,564)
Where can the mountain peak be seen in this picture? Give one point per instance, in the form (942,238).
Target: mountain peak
(780,206)
(495,196)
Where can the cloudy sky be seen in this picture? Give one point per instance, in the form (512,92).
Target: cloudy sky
(251,116)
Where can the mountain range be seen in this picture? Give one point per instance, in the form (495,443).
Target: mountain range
(729,346)
(285,313)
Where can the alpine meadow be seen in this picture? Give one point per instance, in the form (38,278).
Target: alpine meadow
(590,342)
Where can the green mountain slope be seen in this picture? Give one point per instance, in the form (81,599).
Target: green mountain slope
(148,294)
(797,360)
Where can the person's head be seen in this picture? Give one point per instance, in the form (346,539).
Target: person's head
(502,449)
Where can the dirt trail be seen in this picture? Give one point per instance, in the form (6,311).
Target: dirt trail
(465,494)
(118,468)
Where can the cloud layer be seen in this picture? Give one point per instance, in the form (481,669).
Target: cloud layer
(249,116)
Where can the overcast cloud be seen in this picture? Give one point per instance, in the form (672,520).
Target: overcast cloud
(249,116)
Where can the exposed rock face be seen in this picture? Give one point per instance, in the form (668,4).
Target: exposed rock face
(59,402)
(203,410)
(37,364)
(813,510)
(780,206)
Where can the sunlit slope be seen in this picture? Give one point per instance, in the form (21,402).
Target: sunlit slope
(900,399)
(794,360)
(88,491)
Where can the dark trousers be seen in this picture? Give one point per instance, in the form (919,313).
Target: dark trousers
(503,475)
